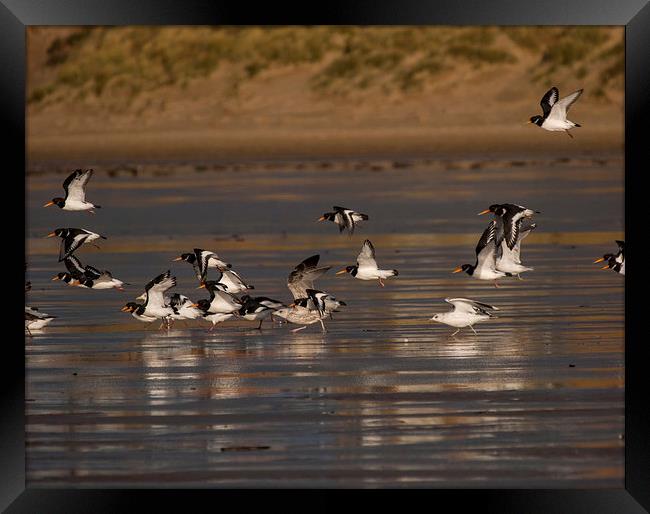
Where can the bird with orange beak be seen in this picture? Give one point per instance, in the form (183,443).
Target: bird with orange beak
(366,268)
(485,267)
(508,217)
(73,238)
(616,261)
(344,218)
(75,193)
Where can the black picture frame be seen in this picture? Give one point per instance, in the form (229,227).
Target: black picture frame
(16,15)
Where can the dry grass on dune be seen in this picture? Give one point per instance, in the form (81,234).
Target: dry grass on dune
(137,80)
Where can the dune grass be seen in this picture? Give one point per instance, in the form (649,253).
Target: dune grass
(122,62)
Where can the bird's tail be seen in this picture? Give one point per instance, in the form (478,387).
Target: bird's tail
(363,216)
(97,206)
(577,125)
(395,272)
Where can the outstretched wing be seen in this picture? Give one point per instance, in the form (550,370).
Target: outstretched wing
(201,263)
(549,99)
(486,247)
(74,266)
(366,258)
(69,244)
(92,272)
(303,276)
(155,289)
(561,107)
(523,234)
(75,185)
(471,306)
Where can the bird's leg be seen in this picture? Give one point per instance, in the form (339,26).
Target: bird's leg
(473,330)
(496,285)
(452,335)
(297,329)
(91,211)
(161,325)
(212,328)
(29,332)
(322,325)
(259,327)
(569,134)
(381,283)
(519,276)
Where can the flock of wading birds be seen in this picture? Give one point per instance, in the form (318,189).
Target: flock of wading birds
(498,255)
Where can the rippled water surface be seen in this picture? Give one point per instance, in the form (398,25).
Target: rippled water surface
(385,397)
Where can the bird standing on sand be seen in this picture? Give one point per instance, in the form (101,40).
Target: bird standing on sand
(366,268)
(465,313)
(75,193)
(73,238)
(554,111)
(485,267)
(344,218)
(615,262)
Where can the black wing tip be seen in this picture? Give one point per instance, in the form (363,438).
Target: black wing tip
(363,216)
(395,272)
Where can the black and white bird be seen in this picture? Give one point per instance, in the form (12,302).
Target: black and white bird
(303,275)
(73,238)
(510,260)
(258,308)
(508,217)
(35,320)
(554,111)
(485,267)
(183,306)
(465,313)
(87,276)
(212,317)
(75,193)
(156,304)
(344,218)
(616,261)
(201,260)
(221,301)
(233,282)
(320,301)
(366,267)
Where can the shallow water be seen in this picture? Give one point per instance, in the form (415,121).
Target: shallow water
(385,397)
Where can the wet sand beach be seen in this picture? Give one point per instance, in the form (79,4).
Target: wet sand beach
(385,397)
